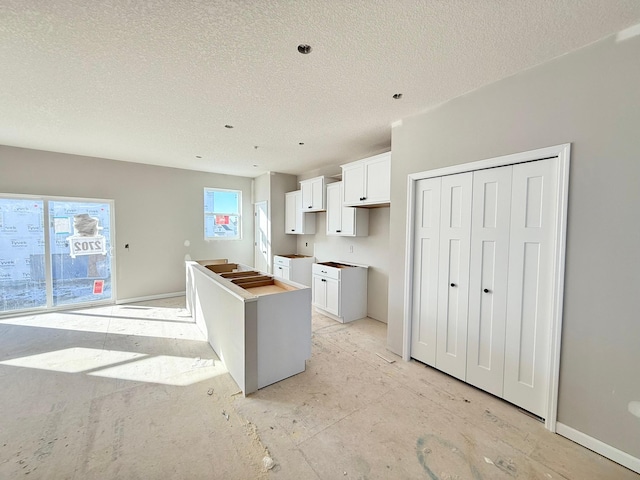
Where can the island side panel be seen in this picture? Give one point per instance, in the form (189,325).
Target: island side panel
(251,348)
(221,316)
(284,335)
(190,292)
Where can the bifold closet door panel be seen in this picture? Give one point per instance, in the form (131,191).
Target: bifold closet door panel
(425,271)
(453,281)
(490,223)
(531,278)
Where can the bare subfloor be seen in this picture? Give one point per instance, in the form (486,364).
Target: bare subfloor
(133,392)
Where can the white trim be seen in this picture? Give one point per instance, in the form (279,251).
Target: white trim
(215,213)
(48,261)
(56,198)
(408,270)
(512,159)
(558,288)
(597,446)
(58,308)
(562,152)
(150,297)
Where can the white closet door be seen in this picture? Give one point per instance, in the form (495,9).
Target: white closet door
(453,282)
(425,272)
(490,223)
(531,277)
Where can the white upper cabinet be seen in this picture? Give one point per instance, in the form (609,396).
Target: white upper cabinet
(344,221)
(367,182)
(290,211)
(313,194)
(297,222)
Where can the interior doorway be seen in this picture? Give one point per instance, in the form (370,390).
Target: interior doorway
(261,243)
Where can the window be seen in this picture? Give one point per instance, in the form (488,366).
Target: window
(222,214)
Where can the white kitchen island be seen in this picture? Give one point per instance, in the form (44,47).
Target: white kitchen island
(259,327)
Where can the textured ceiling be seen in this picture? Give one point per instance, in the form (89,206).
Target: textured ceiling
(155,81)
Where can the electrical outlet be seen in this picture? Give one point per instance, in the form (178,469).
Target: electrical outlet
(350,248)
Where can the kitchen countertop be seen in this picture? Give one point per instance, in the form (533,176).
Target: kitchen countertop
(342,264)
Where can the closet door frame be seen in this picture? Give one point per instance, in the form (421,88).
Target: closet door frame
(561,154)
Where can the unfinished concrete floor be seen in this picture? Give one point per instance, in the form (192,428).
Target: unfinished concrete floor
(133,392)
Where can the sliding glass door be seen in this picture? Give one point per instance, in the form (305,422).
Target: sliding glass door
(68,263)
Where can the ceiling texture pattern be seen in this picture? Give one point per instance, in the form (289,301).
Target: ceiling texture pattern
(156,81)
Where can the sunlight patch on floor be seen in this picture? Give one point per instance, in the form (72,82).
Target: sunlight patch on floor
(133,366)
(165,369)
(104,323)
(73,360)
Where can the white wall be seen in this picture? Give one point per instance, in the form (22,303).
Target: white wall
(590,98)
(157,209)
(281,243)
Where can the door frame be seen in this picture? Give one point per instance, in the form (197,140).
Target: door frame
(562,154)
(256,231)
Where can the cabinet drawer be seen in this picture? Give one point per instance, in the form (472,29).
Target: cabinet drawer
(284,261)
(325,271)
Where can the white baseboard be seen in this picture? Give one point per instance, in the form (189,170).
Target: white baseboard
(150,297)
(618,456)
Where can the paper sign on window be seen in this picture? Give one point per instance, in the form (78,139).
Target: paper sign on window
(85,240)
(98,287)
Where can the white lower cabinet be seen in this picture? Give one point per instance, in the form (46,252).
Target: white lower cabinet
(326,294)
(259,327)
(294,267)
(339,290)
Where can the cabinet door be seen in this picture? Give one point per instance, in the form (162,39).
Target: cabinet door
(332,296)
(377,179)
(490,223)
(291,212)
(453,282)
(425,272)
(348,217)
(334,208)
(319,291)
(353,183)
(281,272)
(277,271)
(531,278)
(313,194)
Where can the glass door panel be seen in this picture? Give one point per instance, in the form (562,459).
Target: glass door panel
(81,266)
(22,254)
